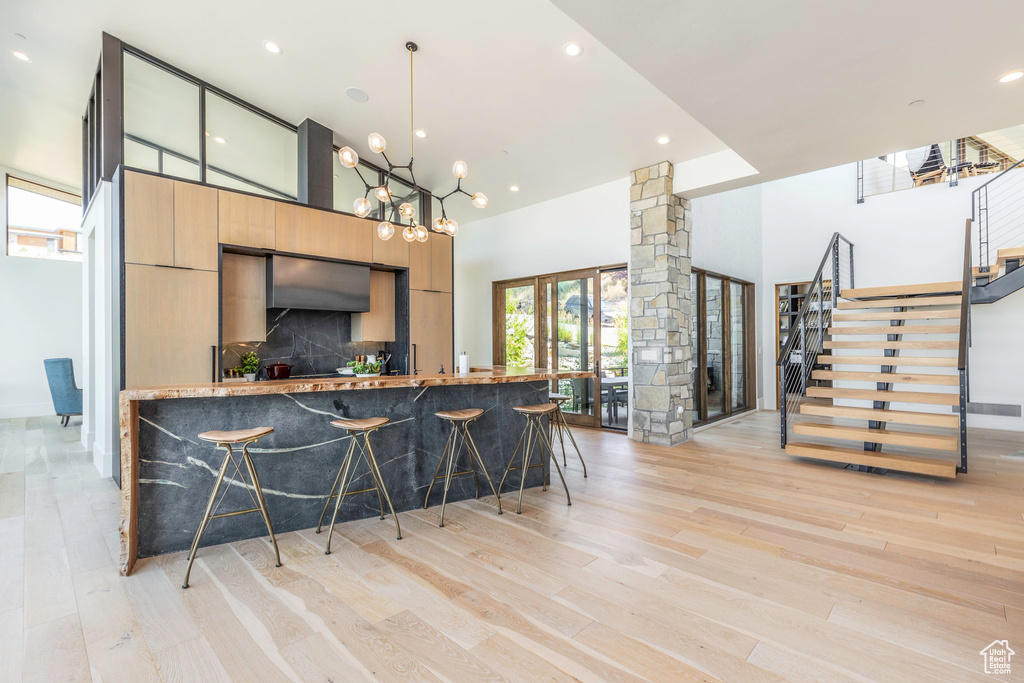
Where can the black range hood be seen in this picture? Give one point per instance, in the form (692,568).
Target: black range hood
(317,285)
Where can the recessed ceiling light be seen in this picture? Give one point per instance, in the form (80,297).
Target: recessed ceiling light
(272,47)
(514,188)
(219,139)
(21,56)
(356,95)
(1010,77)
(573,49)
(421,133)
(664,139)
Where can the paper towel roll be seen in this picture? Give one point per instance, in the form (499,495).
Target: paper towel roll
(464,364)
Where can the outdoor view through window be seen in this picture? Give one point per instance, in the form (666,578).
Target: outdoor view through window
(42,222)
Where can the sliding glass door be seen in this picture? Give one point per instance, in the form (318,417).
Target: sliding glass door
(722,340)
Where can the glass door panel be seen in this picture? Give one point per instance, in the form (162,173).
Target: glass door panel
(695,337)
(574,338)
(519,326)
(737,358)
(614,360)
(714,343)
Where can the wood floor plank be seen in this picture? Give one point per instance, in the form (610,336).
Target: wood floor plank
(433,648)
(55,651)
(12,642)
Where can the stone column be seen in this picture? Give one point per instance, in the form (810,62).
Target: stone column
(659,308)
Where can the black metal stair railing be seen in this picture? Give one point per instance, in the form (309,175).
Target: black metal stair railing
(964,346)
(997,211)
(807,335)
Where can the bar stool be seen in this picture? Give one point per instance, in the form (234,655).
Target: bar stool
(460,420)
(535,436)
(225,439)
(363,427)
(558,424)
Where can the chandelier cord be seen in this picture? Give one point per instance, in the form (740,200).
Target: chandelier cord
(412,125)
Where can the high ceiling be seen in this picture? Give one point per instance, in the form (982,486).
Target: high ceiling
(800,85)
(493,86)
(788,87)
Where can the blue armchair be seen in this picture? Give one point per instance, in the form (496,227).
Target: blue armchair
(67,397)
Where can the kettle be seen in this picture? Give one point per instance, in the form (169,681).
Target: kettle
(279,371)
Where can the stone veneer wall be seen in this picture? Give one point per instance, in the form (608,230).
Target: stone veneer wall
(659,311)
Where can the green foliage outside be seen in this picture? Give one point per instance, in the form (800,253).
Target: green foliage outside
(516,337)
(564,334)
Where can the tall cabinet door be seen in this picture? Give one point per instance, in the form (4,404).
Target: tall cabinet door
(170,326)
(430,329)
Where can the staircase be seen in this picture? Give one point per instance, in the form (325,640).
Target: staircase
(876,378)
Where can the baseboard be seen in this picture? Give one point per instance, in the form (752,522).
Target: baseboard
(26,410)
(101,461)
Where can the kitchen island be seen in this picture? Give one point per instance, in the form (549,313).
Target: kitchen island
(167,473)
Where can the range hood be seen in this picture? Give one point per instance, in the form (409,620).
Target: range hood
(317,285)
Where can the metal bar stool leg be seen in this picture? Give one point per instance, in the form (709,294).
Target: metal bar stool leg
(259,495)
(380,481)
(330,494)
(559,469)
(512,460)
(565,426)
(469,455)
(426,501)
(526,463)
(476,453)
(376,483)
(206,515)
(341,492)
(450,454)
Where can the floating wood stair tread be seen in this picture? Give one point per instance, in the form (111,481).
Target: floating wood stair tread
(901,463)
(889,377)
(935,313)
(939,399)
(901,302)
(921,344)
(901,329)
(902,290)
(894,416)
(891,361)
(1004,255)
(935,442)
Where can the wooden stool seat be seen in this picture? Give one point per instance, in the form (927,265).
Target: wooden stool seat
(459,415)
(236,435)
(559,398)
(360,425)
(538,409)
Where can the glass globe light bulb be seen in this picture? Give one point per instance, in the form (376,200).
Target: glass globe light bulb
(385,230)
(348,157)
(376,142)
(409,234)
(453,228)
(421,233)
(437,225)
(479,200)
(361,207)
(460,170)
(407,210)
(383,193)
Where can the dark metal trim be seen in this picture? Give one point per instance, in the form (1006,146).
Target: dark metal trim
(316,165)
(111,95)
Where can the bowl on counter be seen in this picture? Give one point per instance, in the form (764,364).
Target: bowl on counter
(346,372)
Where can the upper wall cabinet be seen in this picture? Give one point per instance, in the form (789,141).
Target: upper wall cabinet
(148,219)
(430,264)
(301,230)
(169,223)
(247,221)
(244,292)
(195,226)
(393,252)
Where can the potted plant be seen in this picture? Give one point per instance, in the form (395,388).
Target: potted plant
(250,365)
(365,368)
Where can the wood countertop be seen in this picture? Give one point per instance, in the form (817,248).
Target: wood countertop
(479,375)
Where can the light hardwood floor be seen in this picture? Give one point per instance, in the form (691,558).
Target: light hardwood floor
(722,559)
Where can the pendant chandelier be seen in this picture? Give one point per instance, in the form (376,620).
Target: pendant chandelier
(401,206)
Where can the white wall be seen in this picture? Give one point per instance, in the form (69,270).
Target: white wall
(912,236)
(580,230)
(41,310)
(726,239)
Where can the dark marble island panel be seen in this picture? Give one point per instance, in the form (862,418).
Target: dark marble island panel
(298,462)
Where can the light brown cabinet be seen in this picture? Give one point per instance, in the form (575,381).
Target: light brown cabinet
(244,292)
(393,252)
(302,230)
(378,325)
(247,221)
(148,219)
(430,329)
(430,264)
(195,226)
(170,325)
